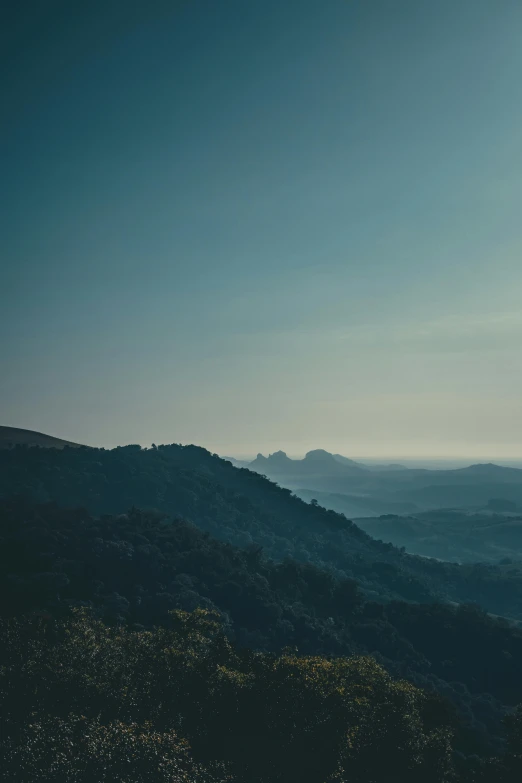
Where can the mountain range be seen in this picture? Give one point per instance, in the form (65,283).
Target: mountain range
(378,489)
(317,461)
(356,489)
(132,534)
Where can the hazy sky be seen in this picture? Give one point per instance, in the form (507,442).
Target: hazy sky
(263,224)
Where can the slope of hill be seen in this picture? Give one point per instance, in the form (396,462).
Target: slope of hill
(356,506)
(237,463)
(243,508)
(136,567)
(491,533)
(453,535)
(12,436)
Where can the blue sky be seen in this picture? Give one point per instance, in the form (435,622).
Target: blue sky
(264,224)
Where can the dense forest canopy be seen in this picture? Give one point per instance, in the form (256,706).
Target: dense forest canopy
(128,537)
(181,704)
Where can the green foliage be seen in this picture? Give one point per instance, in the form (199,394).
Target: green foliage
(77,749)
(136,567)
(328,589)
(83,702)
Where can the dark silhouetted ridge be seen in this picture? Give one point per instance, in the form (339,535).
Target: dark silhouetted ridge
(13,436)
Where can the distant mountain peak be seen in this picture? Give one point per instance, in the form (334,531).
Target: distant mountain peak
(316,461)
(276,459)
(319,454)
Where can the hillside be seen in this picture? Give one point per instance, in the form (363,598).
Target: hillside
(243,508)
(279,572)
(13,436)
(136,567)
(453,534)
(491,533)
(355,506)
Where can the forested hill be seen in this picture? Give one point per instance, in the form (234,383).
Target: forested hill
(245,509)
(134,568)
(281,575)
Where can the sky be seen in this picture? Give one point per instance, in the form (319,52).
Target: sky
(258,225)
